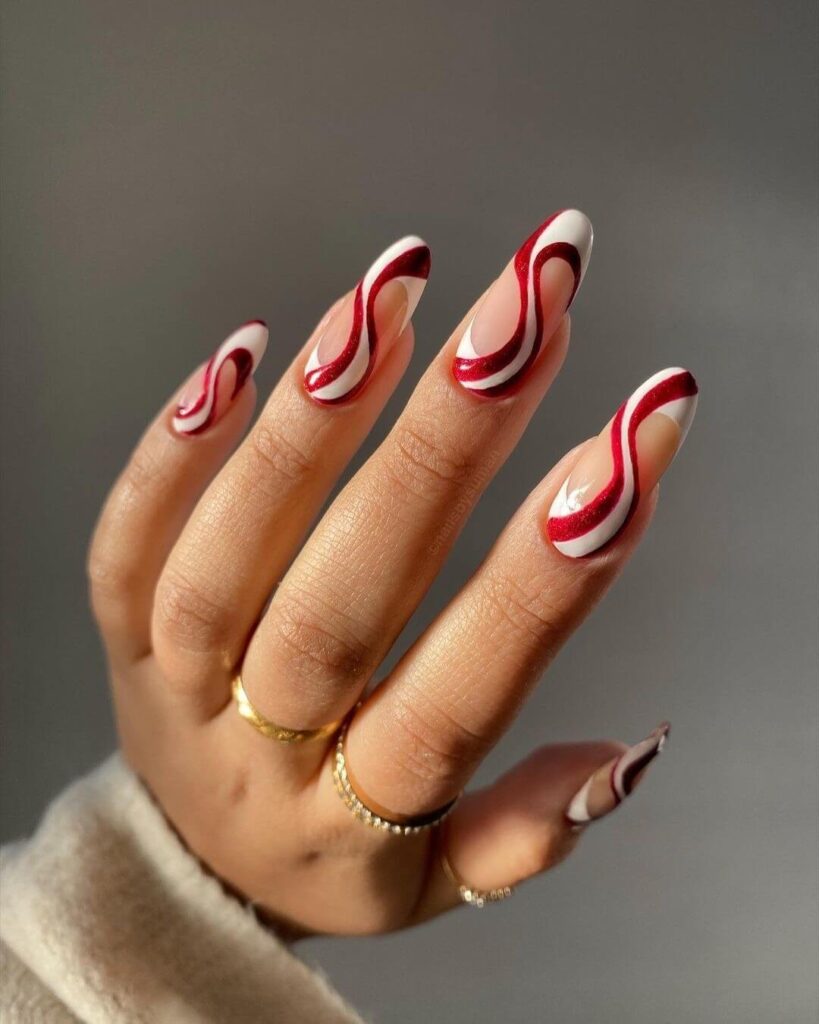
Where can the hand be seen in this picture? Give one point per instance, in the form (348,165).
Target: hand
(196,537)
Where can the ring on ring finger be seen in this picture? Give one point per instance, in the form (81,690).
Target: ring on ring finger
(365,814)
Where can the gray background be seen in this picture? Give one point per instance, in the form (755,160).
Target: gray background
(173,169)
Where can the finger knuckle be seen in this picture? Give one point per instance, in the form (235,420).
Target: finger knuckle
(436,746)
(524,608)
(111,578)
(275,453)
(313,642)
(112,574)
(185,616)
(419,459)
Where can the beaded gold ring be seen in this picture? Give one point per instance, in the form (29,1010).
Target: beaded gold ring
(366,815)
(474,897)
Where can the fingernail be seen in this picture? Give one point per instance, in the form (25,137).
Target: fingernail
(601,493)
(612,783)
(524,306)
(209,393)
(375,315)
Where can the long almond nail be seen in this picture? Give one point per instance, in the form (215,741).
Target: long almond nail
(601,493)
(611,784)
(340,363)
(203,402)
(524,306)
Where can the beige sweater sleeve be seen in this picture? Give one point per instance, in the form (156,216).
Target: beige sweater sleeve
(106,918)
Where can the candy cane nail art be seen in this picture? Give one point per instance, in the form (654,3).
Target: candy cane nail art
(578,527)
(566,235)
(612,783)
(244,348)
(407,261)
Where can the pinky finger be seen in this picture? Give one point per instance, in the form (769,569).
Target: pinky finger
(148,505)
(531,818)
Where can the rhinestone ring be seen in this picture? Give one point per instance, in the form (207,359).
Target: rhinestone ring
(474,897)
(356,805)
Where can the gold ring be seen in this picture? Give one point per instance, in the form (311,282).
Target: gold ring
(270,729)
(474,897)
(354,803)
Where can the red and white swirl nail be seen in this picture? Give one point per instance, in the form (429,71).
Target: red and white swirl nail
(212,389)
(524,306)
(371,318)
(601,493)
(606,788)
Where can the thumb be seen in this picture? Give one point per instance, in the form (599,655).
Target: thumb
(531,818)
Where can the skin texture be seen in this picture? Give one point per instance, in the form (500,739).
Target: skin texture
(199,565)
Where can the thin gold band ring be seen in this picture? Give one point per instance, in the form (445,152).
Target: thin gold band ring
(270,729)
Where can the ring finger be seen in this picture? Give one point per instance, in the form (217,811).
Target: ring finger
(417,740)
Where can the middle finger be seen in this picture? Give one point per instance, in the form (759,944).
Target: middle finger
(353,587)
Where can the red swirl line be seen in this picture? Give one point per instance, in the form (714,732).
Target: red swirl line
(414,262)
(569,527)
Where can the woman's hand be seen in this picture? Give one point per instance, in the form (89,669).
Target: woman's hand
(196,537)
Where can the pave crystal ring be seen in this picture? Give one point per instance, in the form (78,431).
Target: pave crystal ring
(474,897)
(344,788)
(270,729)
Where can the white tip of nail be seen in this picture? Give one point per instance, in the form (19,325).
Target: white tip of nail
(414,282)
(406,243)
(681,410)
(578,810)
(574,227)
(252,336)
(402,247)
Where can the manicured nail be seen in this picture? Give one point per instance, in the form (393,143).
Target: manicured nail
(202,402)
(524,306)
(601,493)
(612,783)
(345,354)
